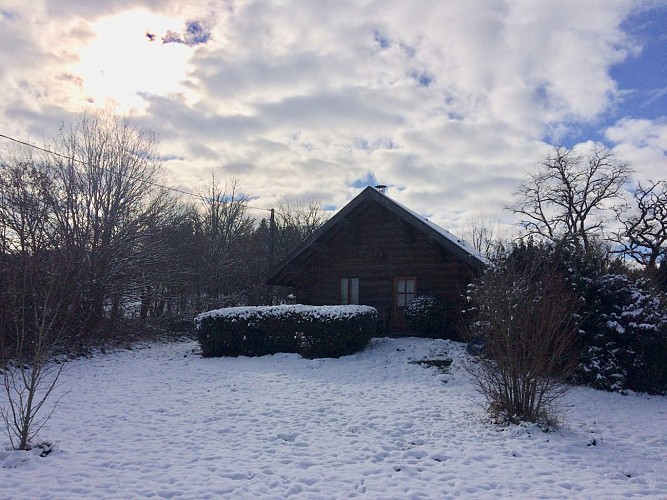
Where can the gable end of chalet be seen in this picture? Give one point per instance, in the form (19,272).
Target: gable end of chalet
(343,221)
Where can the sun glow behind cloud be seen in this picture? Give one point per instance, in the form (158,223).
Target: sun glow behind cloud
(121,62)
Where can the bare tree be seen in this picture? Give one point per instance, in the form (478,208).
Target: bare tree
(30,374)
(108,207)
(223,226)
(80,235)
(26,220)
(172,282)
(34,299)
(483,234)
(296,220)
(644,234)
(569,195)
(25,213)
(524,317)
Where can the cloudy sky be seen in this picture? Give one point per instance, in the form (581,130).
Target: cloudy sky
(448,102)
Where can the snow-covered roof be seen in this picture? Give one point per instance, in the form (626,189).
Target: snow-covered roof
(465,246)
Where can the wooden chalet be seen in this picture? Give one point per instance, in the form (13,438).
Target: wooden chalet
(376,252)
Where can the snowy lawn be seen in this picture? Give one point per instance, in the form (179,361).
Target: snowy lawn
(161,421)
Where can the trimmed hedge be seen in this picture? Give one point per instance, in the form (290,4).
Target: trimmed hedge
(312,331)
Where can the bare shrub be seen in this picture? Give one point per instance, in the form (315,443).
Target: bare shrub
(524,316)
(31,334)
(29,380)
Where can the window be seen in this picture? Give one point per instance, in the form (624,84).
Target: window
(349,291)
(405,290)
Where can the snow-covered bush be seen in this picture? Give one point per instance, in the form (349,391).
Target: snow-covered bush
(523,317)
(622,340)
(425,317)
(622,343)
(312,331)
(247,331)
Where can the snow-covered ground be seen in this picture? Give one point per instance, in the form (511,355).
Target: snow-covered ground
(160,421)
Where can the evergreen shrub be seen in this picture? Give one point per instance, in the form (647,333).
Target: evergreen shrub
(425,316)
(312,331)
(622,341)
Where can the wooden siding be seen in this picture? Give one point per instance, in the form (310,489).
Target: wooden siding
(376,246)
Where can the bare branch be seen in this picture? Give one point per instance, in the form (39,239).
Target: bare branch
(568,196)
(524,319)
(644,234)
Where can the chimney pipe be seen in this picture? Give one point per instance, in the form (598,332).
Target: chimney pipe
(382,188)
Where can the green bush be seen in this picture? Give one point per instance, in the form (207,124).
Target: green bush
(622,341)
(425,317)
(624,336)
(324,331)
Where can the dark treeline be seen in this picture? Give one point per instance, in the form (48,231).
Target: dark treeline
(89,238)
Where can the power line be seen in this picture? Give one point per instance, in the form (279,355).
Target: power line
(129,176)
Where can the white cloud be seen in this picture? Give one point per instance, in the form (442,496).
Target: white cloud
(449,101)
(644,144)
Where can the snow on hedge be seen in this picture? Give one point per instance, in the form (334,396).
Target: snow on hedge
(312,312)
(312,331)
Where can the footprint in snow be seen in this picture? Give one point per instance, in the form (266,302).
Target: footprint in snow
(288,436)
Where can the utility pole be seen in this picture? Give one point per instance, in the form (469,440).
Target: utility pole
(272,238)
(272,250)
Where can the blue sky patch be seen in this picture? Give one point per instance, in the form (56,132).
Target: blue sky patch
(423,78)
(381,40)
(644,77)
(368,180)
